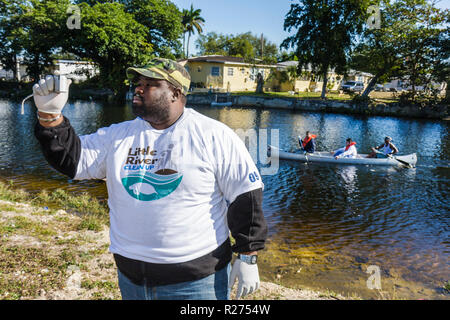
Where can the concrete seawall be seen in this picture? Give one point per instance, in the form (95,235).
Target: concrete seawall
(329,106)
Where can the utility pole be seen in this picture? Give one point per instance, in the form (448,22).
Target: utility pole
(17,75)
(262,46)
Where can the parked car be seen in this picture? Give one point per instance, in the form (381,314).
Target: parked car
(396,89)
(353,86)
(379,87)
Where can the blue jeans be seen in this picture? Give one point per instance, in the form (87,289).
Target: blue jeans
(212,287)
(338,152)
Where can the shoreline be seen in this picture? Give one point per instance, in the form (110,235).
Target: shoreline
(53,251)
(264,100)
(393,109)
(55,245)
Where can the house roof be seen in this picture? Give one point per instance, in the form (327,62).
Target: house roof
(359,73)
(292,63)
(62,61)
(287,64)
(224,60)
(216,58)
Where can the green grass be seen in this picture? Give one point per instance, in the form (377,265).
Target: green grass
(300,95)
(94,213)
(21,276)
(37,245)
(446,287)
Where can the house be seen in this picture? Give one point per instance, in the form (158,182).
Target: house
(399,85)
(359,76)
(224,73)
(9,74)
(282,79)
(78,70)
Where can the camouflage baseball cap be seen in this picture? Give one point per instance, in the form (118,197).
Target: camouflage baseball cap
(164,69)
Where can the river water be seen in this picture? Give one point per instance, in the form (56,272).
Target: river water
(366,231)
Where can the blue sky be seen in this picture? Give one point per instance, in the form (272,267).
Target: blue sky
(239,16)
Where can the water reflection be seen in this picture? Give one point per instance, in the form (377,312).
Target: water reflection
(328,217)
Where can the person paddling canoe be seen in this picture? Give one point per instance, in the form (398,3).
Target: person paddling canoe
(349,151)
(309,144)
(387,149)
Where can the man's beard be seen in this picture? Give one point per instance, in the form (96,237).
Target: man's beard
(156,111)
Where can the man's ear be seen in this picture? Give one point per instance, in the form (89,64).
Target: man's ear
(176,94)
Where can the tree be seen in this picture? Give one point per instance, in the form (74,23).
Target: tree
(9,35)
(163,21)
(264,49)
(192,21)
(442,68)
(409,44)
(376,52)
(420,41)
(245,45)
(212,43)
(113,34)
(325,33)
(241,46)
(113,39)
(286,56)
(32,29)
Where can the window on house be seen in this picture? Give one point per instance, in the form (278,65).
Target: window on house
(215,71)
(199,69)
(187,69)
(230,71)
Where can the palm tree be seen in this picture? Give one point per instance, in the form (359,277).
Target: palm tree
(192,21)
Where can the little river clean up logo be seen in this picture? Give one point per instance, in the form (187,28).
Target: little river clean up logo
(151,186)
(146,185)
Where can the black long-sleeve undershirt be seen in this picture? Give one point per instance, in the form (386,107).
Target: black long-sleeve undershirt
(61,146)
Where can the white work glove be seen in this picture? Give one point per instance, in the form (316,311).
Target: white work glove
(51,94)
(247,275)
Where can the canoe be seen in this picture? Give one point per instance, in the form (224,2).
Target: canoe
(327,157)
(221,104)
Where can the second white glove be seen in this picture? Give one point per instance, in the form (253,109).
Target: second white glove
(247,276)
(51,94)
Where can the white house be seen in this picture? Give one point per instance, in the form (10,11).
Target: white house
(306,81)
(78,70)
(354,75)
(399,85)
(9,74)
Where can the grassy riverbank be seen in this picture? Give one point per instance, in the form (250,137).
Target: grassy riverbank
(55,246)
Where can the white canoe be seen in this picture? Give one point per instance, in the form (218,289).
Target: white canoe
(323,156)
(221,104)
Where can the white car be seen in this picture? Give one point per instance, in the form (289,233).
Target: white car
(354,86)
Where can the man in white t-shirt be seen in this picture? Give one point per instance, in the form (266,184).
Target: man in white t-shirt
(178,183)
(349,151)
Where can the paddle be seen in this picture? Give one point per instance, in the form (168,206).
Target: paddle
(300,142)
(407,164)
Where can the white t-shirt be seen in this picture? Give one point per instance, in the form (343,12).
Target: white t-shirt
(168,189)
(350,153)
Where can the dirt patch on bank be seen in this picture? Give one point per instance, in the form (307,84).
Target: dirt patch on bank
(44,255)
